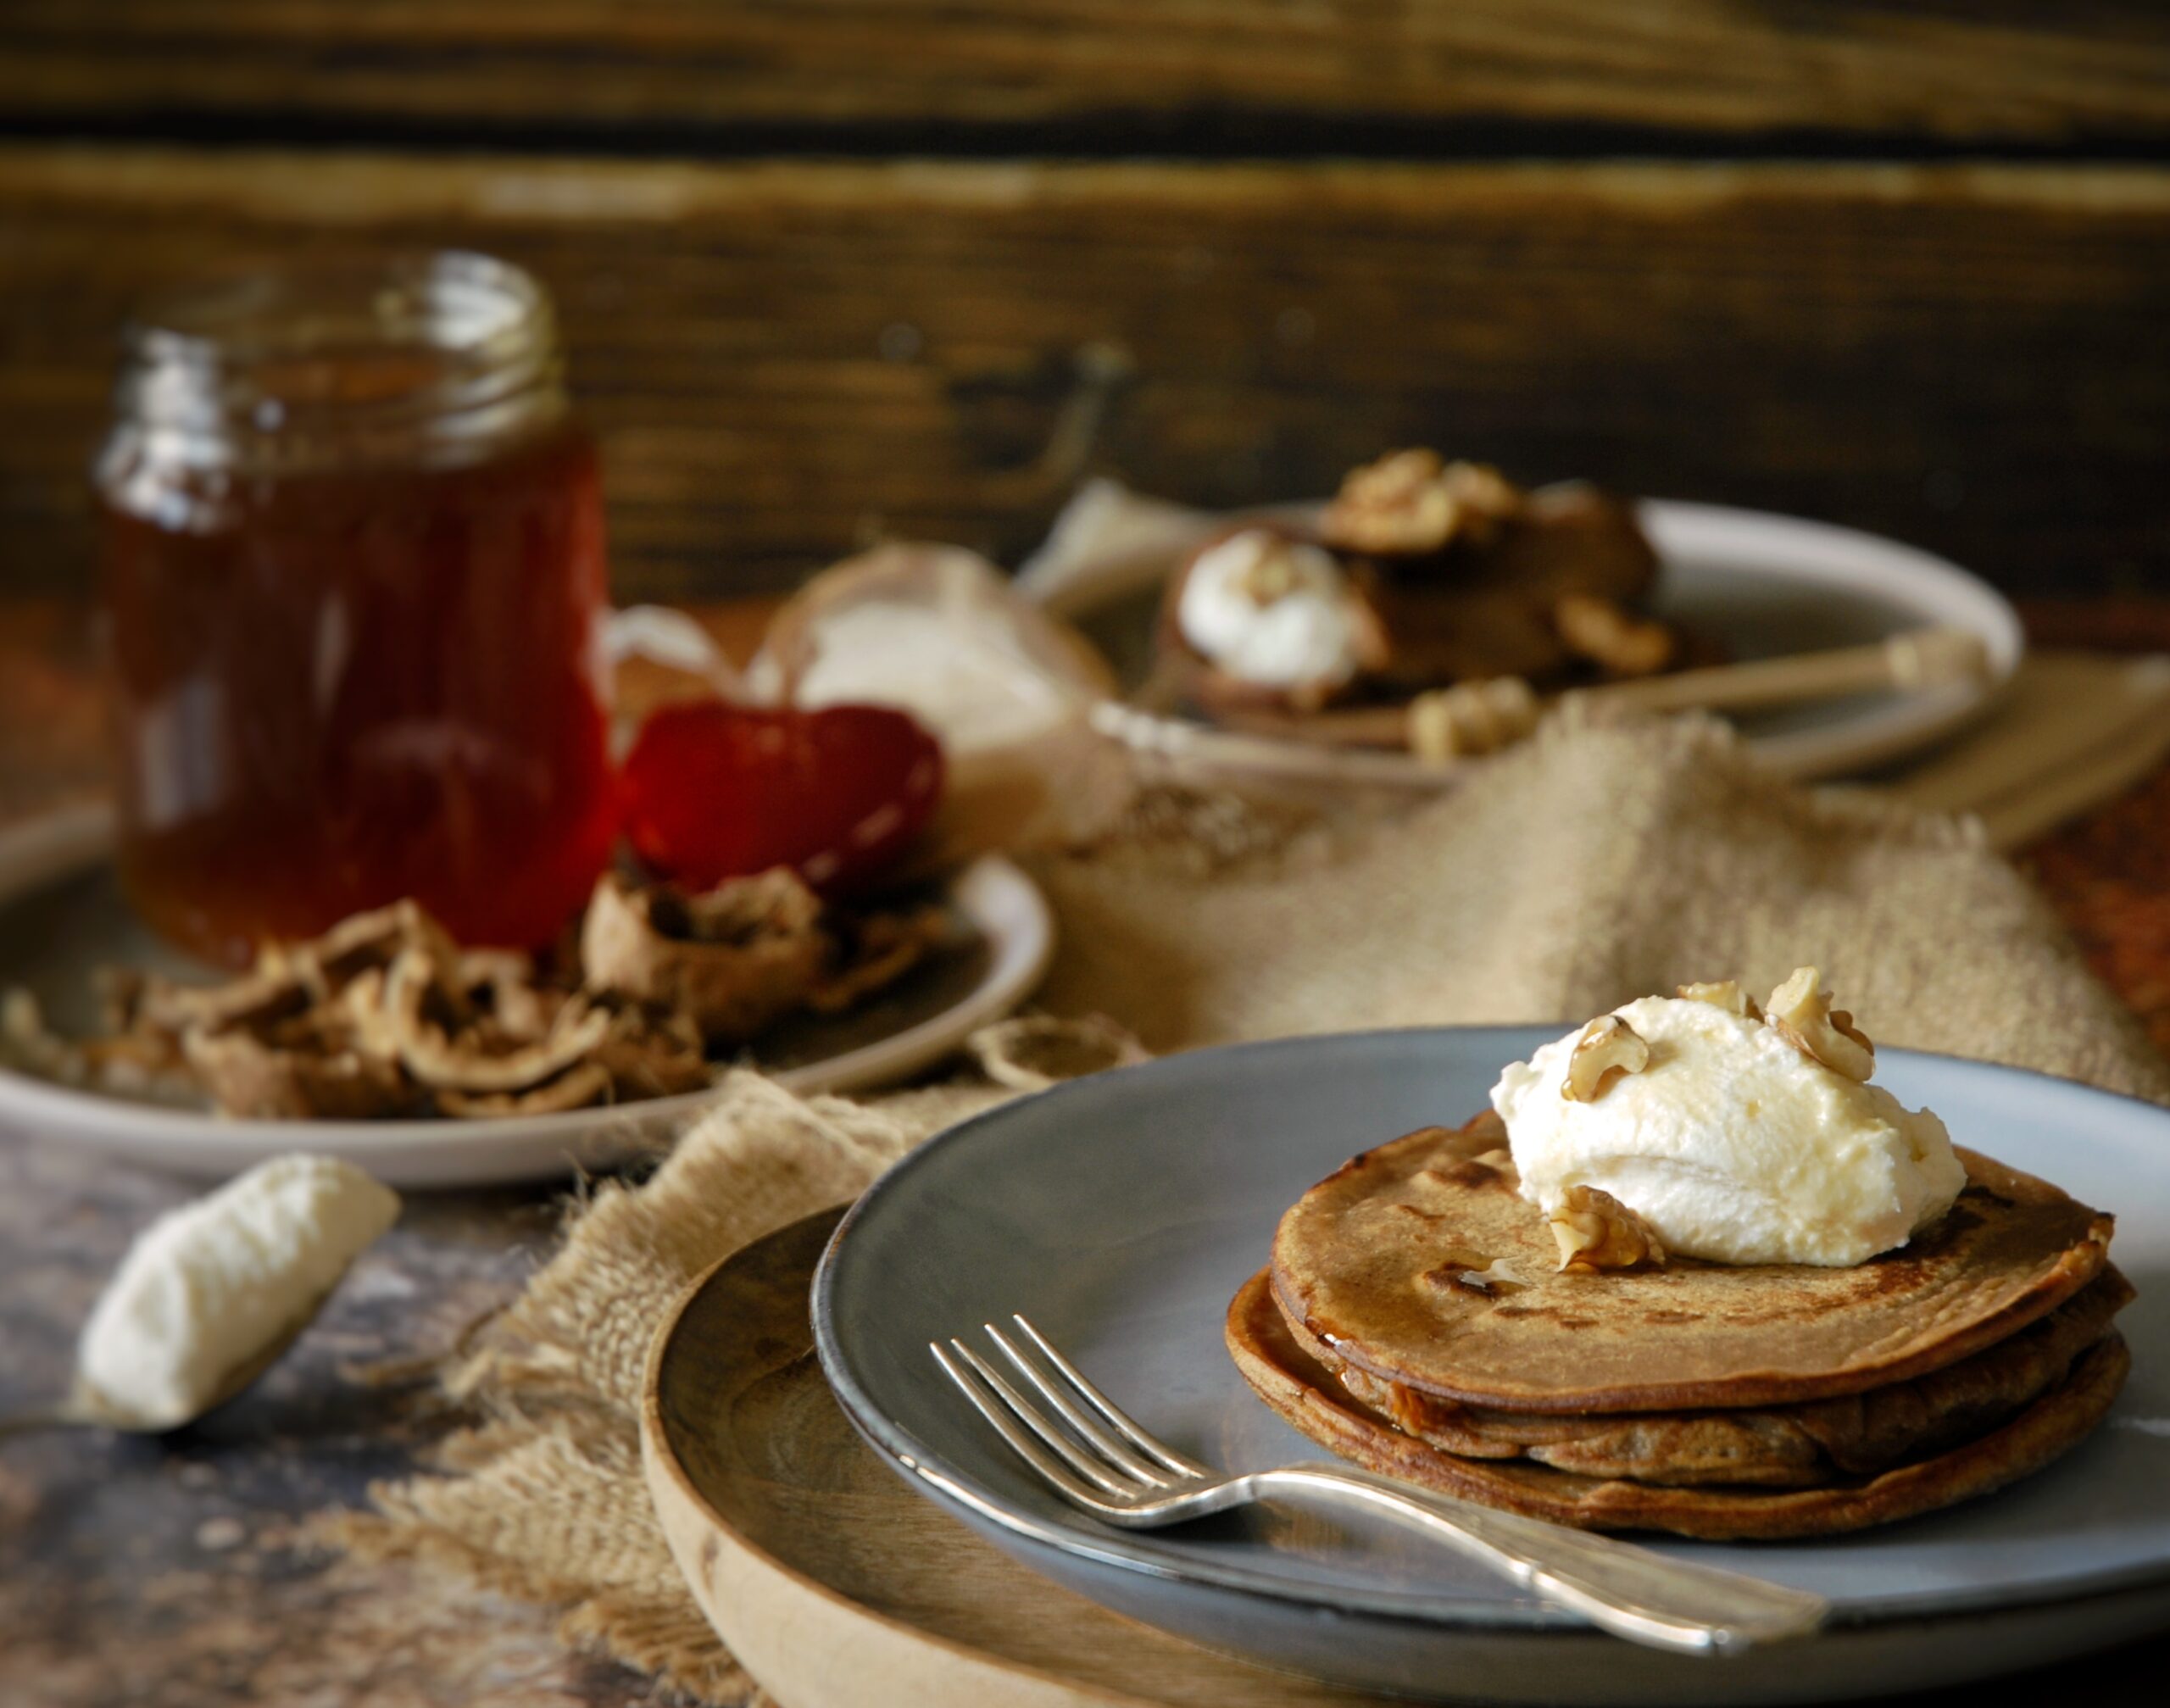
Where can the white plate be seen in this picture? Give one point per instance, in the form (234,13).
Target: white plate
(1761,585)
(61,915)
(1121,1211)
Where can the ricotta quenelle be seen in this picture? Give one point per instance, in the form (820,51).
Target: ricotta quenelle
(207,1288)
(1733,1136)
(1272,611)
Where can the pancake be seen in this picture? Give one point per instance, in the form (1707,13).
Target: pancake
(1309,1397)
(1472,612)
(1384,1262)
(1808,1445)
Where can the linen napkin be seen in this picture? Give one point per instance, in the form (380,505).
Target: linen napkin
(2073,730)
(1586,867)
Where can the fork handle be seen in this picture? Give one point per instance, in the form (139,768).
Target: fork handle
(1630,1591)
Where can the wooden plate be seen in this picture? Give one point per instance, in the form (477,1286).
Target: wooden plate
(825,1573)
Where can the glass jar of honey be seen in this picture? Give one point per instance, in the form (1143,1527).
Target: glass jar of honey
(353,583)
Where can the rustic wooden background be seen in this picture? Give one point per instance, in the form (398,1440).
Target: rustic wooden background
(842,268)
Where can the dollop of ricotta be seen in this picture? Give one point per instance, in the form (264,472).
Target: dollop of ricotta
(207,1288)
(1271,610)
(1732,1142)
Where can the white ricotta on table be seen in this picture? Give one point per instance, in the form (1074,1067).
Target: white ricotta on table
(208,1287)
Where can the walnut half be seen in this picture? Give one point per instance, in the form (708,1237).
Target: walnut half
(1725,993)
(1470,717)
(1411,502)
(735,958)
(1612,636)
(1608,1049)
(1801,1011)
(1594,1230)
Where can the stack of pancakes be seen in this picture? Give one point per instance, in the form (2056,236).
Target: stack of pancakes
(1414,1319)
(1465,610)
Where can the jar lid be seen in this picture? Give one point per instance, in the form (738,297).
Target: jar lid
(339,363)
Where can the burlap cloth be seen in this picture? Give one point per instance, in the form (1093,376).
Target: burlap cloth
(1586,868)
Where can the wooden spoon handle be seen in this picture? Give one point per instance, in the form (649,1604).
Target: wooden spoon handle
(1918,658)
(1445,723)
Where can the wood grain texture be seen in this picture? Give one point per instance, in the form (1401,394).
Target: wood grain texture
(1263,72)
(178,1573)
(786,360)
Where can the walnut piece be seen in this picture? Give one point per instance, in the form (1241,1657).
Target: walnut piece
(382,1015)
(385,1015)
(736,960)
(1594,1230)
(1470,718)
(1409,502)
(417,1014)
(1725,993)
(651,1052)
(873,952)
(579,1087)
(1801,1013)
(502,984)
(1608,1049)
(1612,636)
(1273,573)
(149,1068)
(1033,1052)
(303,1071)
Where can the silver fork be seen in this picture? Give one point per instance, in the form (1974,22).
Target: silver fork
(1102,1459)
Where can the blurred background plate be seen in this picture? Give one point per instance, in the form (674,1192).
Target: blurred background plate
(62,915)
(1760,586)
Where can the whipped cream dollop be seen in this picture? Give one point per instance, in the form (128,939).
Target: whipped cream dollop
(1726,1133)
(1271,610)
(207,1288)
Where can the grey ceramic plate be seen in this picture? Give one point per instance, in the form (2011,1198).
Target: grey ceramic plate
(1120,1213)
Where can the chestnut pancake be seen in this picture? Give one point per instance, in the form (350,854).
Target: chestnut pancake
(1309,1397)
(1493,609)
(1817,1443)
(1419,1264)
(1550,590)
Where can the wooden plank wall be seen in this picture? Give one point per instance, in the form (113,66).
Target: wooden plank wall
(844,268)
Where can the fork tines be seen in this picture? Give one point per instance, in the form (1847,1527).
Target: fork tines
(1097,1454)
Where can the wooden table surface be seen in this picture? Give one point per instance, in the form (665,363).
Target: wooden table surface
(172,1573)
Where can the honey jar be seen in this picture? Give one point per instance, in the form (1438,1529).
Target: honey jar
(353,581)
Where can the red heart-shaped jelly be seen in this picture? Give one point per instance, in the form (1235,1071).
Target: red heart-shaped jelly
(714,791)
